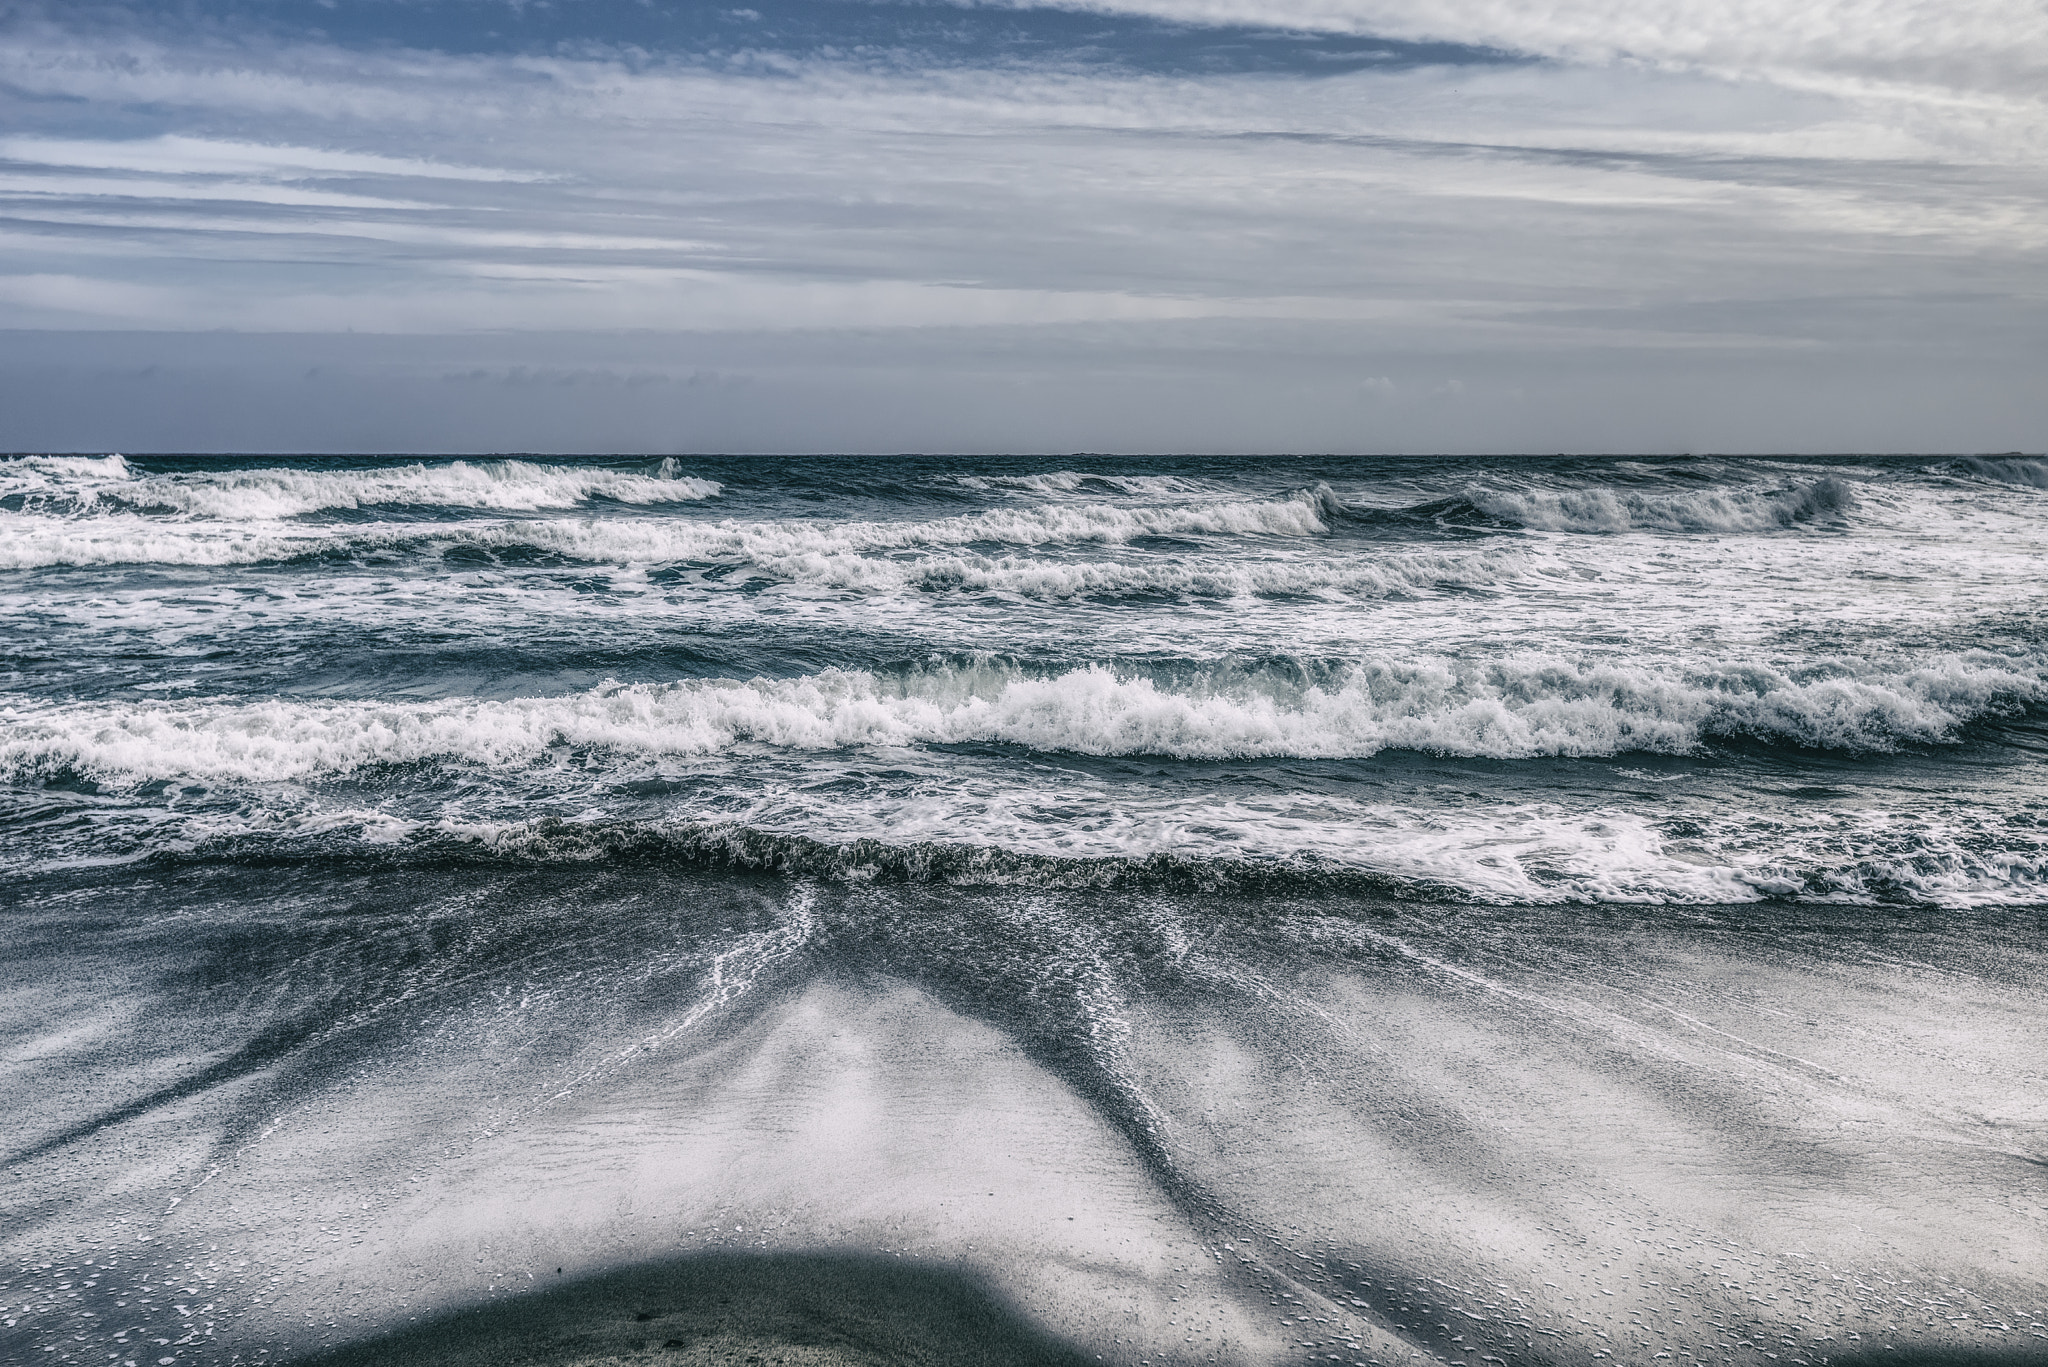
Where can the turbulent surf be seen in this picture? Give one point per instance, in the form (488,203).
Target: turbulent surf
(1229,661)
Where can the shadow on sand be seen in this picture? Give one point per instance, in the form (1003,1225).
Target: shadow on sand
(2033,1353)
(795,1310)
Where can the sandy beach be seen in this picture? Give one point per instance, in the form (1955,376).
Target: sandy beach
(1562,1138)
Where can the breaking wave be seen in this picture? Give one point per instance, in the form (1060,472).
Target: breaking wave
(1515,857)
(1184,577)
(2031,474)
(1621,510)
(74,485)
(1068,481)
(786,546)
(149,705)
(23,475)
(1520,855)
(29,542)
(1524,707)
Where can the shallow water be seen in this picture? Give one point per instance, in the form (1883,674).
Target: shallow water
(1559,910)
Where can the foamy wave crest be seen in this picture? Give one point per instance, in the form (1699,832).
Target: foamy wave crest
(271,494)
(28,475)
(1620,510)
(30,542)
(2031,474)
(1067,481)
(786,547)
(1518,708)
(808,550)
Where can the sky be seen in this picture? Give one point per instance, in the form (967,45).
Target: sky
(1094,225)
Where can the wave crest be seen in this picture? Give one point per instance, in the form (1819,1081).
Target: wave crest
(1182,577)
(2031,474)
(1068,481)
(1524,707)
(1621,510)
(1500,856)
(82,485)
(128,538)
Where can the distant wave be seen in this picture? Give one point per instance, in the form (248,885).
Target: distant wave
(1620,510)
(88,484)
(21,475)
(1067,481)
(2032,474)
(1518,708)
(1192,577)
(784,546)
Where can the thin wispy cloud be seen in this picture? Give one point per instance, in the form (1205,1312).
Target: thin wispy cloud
(88,188)
(171,155)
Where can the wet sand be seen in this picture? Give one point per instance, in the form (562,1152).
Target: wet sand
(989,1124)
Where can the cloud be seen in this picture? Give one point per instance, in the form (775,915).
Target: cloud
(1962,45)
(172,155)
(1678,200)
(112,187)
(59,221)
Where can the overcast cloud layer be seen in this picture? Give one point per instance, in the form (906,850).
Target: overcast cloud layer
(1142,224)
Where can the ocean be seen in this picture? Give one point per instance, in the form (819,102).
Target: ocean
(1550,910)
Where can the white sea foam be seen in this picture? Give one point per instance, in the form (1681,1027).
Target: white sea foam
(1516,708)
(1617,510)
(268,494)
(48,474)
(28,541)
(131,538)
(765,543)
